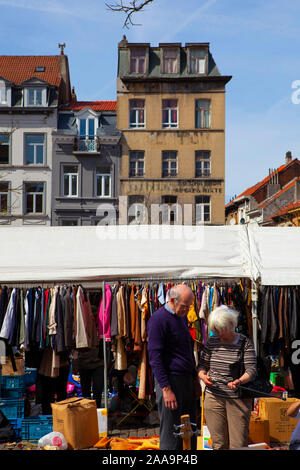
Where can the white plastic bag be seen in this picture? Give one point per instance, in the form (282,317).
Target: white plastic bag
(53,439)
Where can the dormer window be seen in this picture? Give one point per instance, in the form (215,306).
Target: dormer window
(197,59)
(170,60)
(87,125)
(138,60)
(35,96)
(5,94)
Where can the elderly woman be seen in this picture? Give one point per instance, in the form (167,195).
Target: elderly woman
(227,416)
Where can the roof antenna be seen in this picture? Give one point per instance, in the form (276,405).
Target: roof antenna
(62,46)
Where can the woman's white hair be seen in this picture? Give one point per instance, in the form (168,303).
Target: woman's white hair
(223,318)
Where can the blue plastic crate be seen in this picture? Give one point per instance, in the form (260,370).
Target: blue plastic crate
(12,408)
(12,393)
(10,382)
(36,427)
(17,425)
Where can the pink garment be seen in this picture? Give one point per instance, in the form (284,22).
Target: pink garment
(107,312)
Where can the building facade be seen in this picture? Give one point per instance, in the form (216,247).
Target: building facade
(171,112)
(31,90)
(85,164)
(271,201)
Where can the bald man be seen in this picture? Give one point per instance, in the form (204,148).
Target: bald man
(170,349)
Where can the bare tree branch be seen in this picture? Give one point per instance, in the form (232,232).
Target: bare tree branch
(129,9)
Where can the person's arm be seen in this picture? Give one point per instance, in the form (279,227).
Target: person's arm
(156,344)
(293,409)
(204,365)
(250,367)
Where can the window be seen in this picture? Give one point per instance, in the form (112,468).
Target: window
(202,209)
(70,181)
(35,149)
(137,113)
(34,198)
(169,163)
(40,69)
(136,163)
(3,95)
(170,60)
(4,196)
(197,61)
(202,118)
(138,60)
(4,148)
(202,163)
(87,135)
(171,215)
(35,97)
(69,222)
(136,208)
(169,113)
(103,184)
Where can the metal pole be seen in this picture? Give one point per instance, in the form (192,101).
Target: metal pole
(104,349)
(254,299)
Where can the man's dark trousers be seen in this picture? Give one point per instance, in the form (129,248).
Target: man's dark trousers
(184,390)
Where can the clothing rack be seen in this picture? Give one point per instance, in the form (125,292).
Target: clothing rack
(95,285)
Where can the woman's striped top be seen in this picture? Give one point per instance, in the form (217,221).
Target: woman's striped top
(221,362)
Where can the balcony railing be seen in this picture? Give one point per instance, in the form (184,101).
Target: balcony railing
(86,144)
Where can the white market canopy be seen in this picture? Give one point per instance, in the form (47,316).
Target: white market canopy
(41,254)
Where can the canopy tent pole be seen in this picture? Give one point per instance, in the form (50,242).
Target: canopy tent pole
(104,349)
(254,298)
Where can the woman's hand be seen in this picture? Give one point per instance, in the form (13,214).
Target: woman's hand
(206,378)
(233,385)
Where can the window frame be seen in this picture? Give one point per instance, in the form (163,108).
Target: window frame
(70,180)
(100,173)
(8,197)
(140,157)
(201,110)
(201,207)
(35,89)
(169,160)
(202,159)
(34,194)
(44,145)
(167,124)
(136,109)
(164,59)
(8,144)
(137,58)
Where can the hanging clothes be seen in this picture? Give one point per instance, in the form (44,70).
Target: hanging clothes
(104,325)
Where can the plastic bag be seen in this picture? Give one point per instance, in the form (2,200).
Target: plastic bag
(53,439)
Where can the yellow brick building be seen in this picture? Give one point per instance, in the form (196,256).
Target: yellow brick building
(171,111)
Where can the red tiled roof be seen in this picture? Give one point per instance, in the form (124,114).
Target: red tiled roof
(253,189)
(276,195)
(286,209)
(17,69)
(94,105)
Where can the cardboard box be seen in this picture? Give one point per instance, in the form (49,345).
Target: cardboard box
(76,419)
(258,430)
(102,422)
(7,368)
(281,426)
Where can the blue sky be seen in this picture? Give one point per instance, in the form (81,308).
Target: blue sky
(255,41)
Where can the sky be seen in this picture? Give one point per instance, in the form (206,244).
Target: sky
(257,42)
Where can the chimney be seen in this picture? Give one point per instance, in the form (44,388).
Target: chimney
(288,157)
(124,42)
